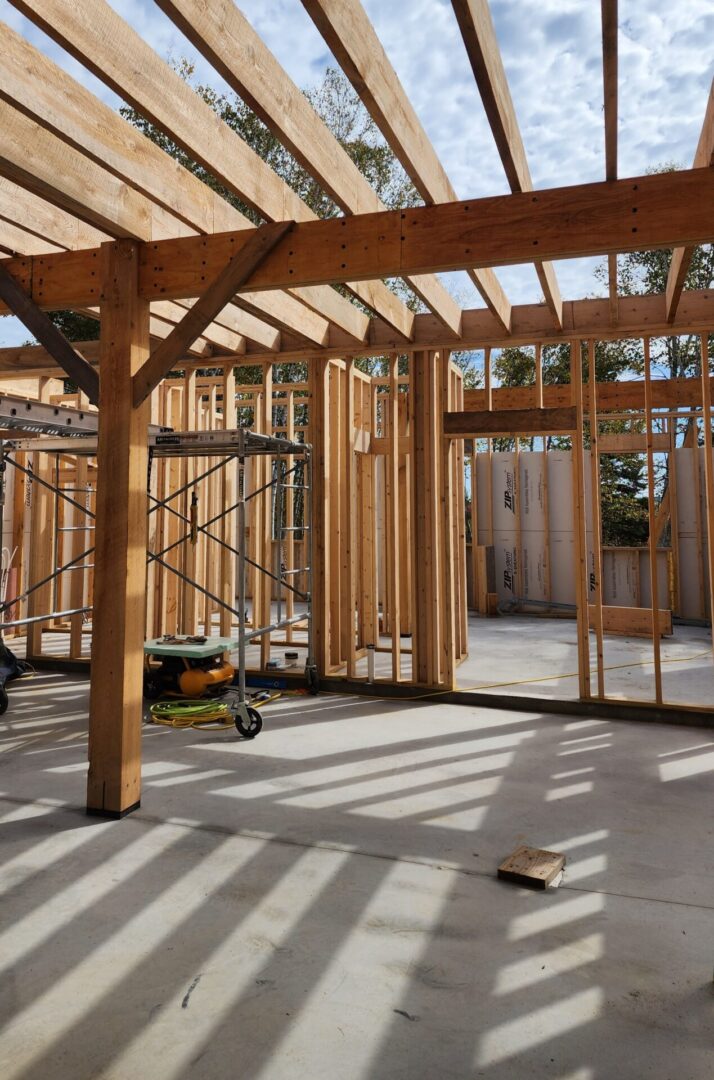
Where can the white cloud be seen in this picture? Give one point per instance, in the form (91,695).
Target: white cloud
(551,51)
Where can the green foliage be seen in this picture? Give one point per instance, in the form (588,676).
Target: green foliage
(76,327)
(623,501)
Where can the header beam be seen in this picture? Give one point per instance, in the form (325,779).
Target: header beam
(657,211)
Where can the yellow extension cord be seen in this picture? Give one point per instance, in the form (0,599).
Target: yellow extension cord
(198,713)
(189,713)
(521,682)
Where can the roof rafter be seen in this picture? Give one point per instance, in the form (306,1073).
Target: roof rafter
(609,79)
(225,37)
(179,202)
(682,256)
(36,159)
(532,324)
(477,30)
(104,43)
(347,30)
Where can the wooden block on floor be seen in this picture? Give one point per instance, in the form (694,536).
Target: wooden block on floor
(531,866)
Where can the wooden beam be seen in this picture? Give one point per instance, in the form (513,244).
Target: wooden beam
(612,396)
(652,519)
(16,241)
(609,79)
(347,30)
(41,228)
(682,256)
(178,202)
(632,621)
(631,442)
(460,425)
(708,468)
(587,219)
(115,711)
(228,281)
(41,327)
(34,159)
(531,325)
(477,30)
(47,222)
(64,176)
(228,41)
(100,39)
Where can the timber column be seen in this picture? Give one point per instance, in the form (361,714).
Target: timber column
(115,711)
(321,521)
(432,554)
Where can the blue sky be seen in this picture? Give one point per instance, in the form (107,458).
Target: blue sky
(551,51)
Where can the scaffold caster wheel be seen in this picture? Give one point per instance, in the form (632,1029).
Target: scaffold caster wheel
(251,726)
(313,680)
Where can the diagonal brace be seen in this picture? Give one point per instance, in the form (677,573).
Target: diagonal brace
(41,327)
(219,293)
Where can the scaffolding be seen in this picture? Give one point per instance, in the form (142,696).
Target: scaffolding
(234,449)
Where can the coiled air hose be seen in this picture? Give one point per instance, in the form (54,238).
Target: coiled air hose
(187,713)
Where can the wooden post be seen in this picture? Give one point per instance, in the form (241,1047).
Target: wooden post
(336,497)
(674,514)
(321,511)
(596,519)
(431,536)
(579,521)
(489,445)
(41,543)
(654,580)
(115,712)
(448,555)
(708,470)
(394,532)
(348,514)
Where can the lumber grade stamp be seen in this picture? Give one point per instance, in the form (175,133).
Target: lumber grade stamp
(531,866)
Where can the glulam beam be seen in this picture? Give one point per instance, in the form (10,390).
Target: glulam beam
(640,213)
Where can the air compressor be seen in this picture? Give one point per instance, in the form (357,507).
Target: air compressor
(185,676)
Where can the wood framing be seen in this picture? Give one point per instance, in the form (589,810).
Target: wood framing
(510,422)
(586,219)
(227,282)
(116,708)
(351,37)
(40,326)
(477,30)
(682,256)
(212,283)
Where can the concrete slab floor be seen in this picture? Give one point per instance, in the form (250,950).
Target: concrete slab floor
(538,657)
(322,902)
(535,657)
